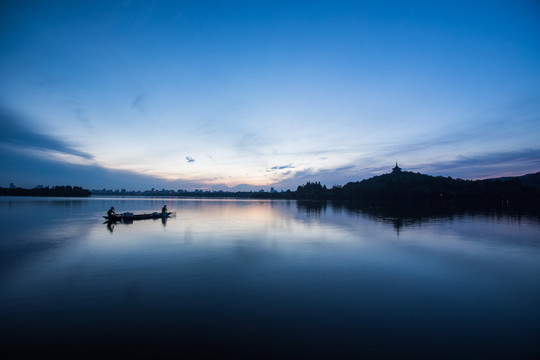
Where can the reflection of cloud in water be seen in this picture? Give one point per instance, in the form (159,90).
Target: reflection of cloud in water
(221,264)
(34,226)
(251,229)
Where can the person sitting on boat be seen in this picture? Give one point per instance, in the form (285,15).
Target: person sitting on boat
(111,212)
(164,210)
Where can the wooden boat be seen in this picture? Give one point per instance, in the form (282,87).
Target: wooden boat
(127,216)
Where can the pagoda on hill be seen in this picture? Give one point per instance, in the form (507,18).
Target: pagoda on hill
(396,169)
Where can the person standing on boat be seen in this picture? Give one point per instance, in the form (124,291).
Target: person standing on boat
(111,212)
(164,210)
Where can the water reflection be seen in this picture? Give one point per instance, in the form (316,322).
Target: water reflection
(290,279)
(401,215)
(110,225)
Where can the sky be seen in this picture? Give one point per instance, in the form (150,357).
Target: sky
(248,95)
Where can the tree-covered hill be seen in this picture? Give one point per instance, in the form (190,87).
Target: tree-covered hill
(531,180)
(405,185)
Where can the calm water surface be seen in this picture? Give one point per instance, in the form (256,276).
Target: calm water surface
(267,278)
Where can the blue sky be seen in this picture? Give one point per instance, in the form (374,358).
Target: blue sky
(248,95)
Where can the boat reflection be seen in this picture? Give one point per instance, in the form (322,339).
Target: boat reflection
(110,225)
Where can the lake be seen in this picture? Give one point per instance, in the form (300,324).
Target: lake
(276,279)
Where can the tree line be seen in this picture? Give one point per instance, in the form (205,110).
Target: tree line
(395,186)
(59,191)
(415,186)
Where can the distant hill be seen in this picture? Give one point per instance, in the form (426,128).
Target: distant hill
(531,180)
(404,185)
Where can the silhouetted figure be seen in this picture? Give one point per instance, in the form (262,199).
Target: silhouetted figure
(111,212)
(164,210)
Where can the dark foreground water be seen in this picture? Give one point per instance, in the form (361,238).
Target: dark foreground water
(230,278)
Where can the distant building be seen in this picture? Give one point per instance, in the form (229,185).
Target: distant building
(11,185)
(396,169)
(272,190)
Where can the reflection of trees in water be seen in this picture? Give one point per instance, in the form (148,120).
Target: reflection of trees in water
(59,203)
(407,213)
(312,207)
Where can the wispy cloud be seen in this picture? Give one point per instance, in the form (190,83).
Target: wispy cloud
(489,164)
(290,166)
(253,143)
(139,104)
(343,168)
(305,173)
(28,169)
(80,114)
(14,134)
